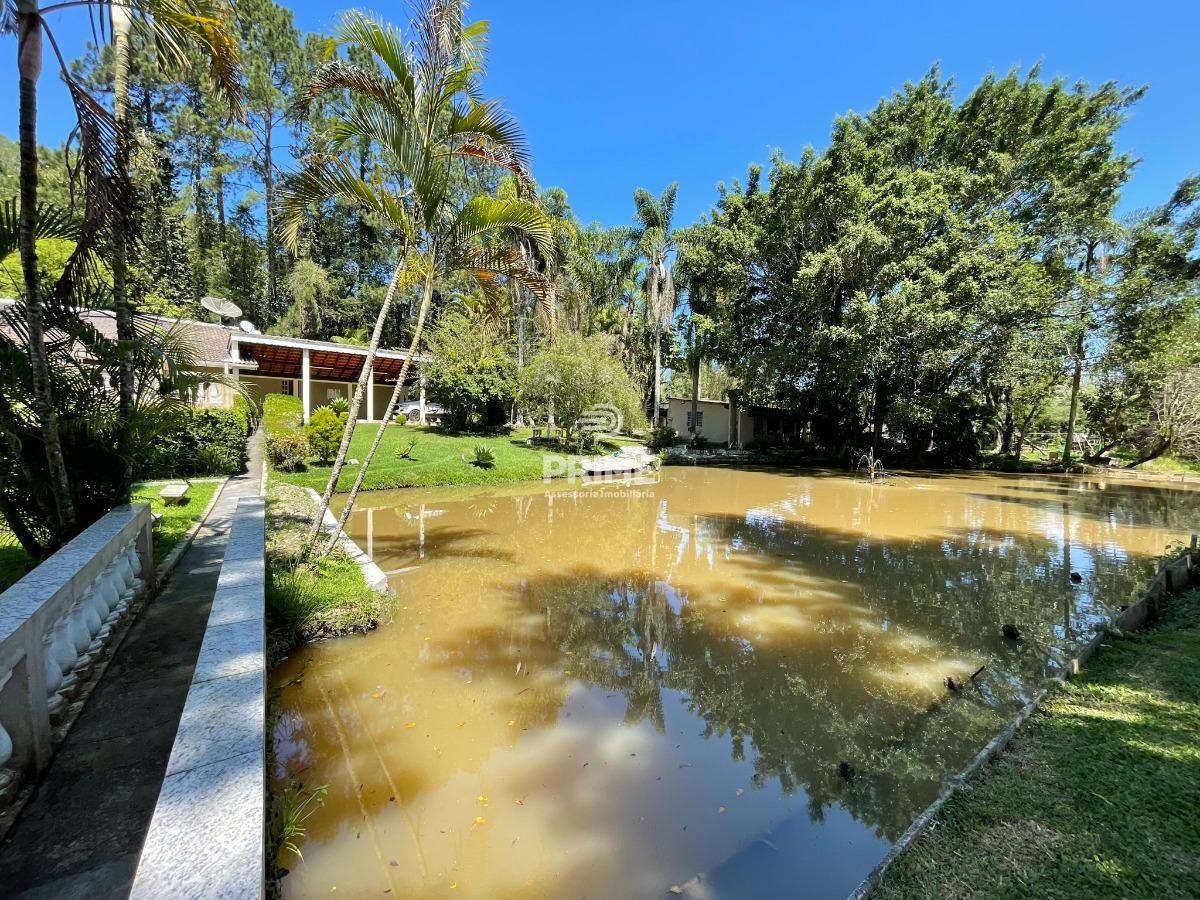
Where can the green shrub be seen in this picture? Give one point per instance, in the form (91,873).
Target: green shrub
(404,450)
(250,411)
(292,606)
(287,450)
(660,439)
(209,442)
(700,442)
(340,405)
(484,457)
(282,413)
(325,428)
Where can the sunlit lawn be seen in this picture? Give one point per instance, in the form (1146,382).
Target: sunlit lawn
(176,520)
(438,458)
(1097,794)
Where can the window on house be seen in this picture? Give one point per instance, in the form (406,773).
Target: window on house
(286,387)
(699,419)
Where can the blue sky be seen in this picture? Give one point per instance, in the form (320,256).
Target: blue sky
(621,94)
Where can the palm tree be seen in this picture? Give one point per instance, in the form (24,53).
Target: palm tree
(100,444)
(656,241)
(173,24)
(421,105)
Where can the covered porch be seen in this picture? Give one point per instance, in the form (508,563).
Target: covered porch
(319,372)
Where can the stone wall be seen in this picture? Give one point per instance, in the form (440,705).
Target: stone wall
(58,626)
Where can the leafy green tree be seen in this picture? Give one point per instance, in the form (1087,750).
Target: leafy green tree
(656,242)
(470,372)
(274,63)
(106,191)
(422,106)
(577,375)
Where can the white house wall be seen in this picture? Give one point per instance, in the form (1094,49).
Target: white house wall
(714,425)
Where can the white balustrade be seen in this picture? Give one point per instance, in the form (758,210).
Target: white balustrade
(7,776)
(56,623)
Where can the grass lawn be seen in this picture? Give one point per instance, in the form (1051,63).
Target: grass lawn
(437,459)
(1096,796)
(324,597)
(176,520)
(14,562)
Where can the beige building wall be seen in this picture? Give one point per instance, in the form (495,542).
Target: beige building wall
(714,421)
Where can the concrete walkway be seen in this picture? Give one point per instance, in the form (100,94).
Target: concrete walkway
(81,833)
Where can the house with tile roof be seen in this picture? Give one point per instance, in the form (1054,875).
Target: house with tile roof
(315,371)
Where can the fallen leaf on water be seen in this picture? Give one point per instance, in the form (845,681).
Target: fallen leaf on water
(739,792)
(410,724)
(720,809)
(479,820)
(453,885)
(511,722)
(568,672)
(676,889)
(461,724)
(482,798)
(519,802)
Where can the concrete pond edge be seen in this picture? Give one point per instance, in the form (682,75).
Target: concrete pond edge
(372,574)
(215,780)
(1172,577)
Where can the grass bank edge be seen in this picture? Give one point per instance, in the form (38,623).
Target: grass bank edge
(313,600)
(1095,794)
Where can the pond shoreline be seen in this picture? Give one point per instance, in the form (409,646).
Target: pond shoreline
(1173,576)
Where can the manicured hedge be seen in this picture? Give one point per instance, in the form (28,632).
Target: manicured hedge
(282,413)
(210,442)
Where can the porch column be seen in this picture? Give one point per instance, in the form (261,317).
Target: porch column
(234,354)
(305,385)
(371,395)
(421,401)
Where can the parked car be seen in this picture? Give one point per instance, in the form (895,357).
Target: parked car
(411,410)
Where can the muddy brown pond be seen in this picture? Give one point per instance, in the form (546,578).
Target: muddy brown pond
(646,689)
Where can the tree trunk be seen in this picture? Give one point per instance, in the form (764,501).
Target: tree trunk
(269,218)
(878,414)
(695,361)
(654,288)
(1080,346)
(1076,378)
(1159,449)
(1010,424)
(221,209)
(356,400)
(29,60)
(392,401)
(121,24)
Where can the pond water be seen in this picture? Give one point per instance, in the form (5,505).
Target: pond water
(616,691)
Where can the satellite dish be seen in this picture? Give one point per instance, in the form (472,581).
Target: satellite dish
(247,327)
(224,309)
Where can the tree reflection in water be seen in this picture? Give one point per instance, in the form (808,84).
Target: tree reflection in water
(802,622)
